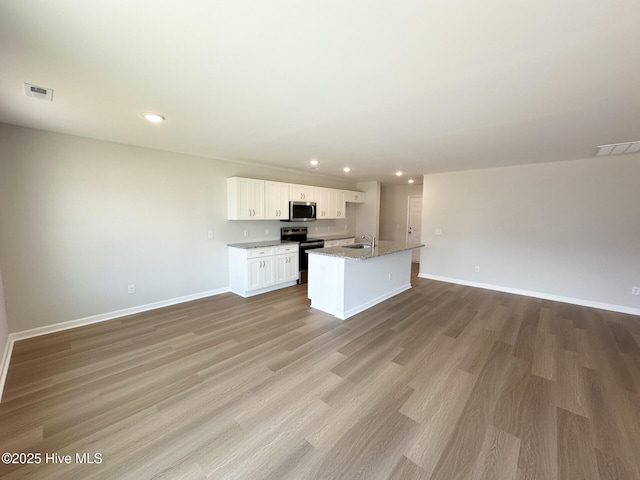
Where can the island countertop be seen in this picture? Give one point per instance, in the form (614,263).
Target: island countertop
(382,248)
(262,244)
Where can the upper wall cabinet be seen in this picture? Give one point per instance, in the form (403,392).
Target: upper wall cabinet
(276,200)
(353,196)
(301,193)
(340,210)
(251,199)
(245,199)
(321,196)
(330,203)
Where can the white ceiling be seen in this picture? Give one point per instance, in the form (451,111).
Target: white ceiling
(379,85)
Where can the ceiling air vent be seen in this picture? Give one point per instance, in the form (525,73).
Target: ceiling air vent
(618,148)
(38,92)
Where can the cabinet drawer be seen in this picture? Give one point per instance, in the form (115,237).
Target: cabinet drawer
(287,249)
(347,241)
(260,252)
(332,243)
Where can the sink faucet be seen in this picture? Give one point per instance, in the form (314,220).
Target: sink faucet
(371,239)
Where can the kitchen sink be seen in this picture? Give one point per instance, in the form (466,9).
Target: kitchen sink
(358,245)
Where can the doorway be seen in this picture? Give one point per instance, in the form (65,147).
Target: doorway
(414,224)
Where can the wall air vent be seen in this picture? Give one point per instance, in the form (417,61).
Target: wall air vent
(618,148)
(38,92)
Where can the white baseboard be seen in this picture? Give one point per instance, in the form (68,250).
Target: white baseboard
(35,332)
(343,315)
(545,296)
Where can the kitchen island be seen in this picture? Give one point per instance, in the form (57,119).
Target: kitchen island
(344,281)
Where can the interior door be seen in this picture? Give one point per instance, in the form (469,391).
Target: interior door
(414,224)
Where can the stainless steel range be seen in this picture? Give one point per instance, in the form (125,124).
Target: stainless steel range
(299,234)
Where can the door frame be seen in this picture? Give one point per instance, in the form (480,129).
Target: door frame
(416,252)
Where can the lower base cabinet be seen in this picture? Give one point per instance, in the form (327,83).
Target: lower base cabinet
(253,271)
(287,267)
(261,273)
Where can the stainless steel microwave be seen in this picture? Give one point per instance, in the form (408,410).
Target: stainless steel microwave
(301,212)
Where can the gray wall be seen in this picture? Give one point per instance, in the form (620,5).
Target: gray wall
(393,211)
(570,229)
(80,219)
(368,214)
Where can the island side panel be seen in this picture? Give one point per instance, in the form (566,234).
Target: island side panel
(325,287)
(371,281)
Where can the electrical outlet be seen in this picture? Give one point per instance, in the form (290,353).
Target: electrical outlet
(477,269)
(391,276)
(635,290)
(438,231)
(210,234)
(266,231)
(131,288)
(246,232)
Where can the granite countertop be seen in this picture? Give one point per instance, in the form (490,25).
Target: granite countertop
(382,248)
(264,243)
(332,237)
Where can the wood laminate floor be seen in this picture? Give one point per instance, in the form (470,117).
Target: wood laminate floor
(441,382)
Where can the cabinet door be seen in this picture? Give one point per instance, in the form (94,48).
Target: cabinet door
(301,193)
(337,206)
(354,197)
(286,268)
(261,273)
(292,269)
(276,200)
(268,271)
(245,197)
(256,199)
(341,206)
(323,207)
(255,272)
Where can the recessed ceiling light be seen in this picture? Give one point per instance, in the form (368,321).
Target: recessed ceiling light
(411,180)
(154,117)
(399,173)
(314,162)
(346,169)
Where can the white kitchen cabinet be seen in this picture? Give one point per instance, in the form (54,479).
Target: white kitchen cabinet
(287,264)
(252,199)
(339,205)
(276,200)
(253,271)
(245,199)
(301,193)
(261,273)
(330,203)
(353,196)
(321,196)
